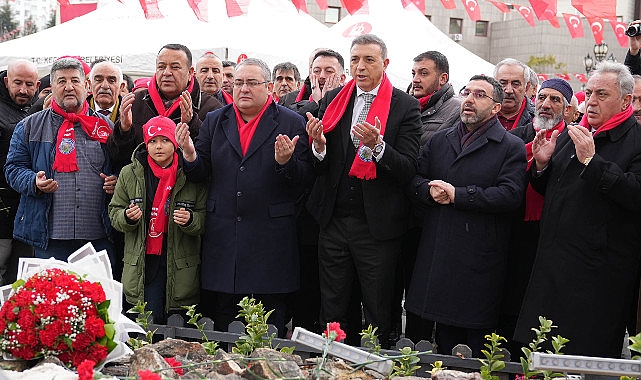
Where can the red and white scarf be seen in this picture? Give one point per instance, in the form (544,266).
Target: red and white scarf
(380,107)
(157,99)
(246,129)
(95,127)
(159,217)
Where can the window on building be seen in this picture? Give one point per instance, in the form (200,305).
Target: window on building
(481,29)
(456,25)
(332,15)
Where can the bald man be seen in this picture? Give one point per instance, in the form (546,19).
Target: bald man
(18,87)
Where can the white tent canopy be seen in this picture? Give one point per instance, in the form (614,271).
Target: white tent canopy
(121,33)
(407,33)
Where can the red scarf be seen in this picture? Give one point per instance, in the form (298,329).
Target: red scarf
(611,123)
(95,127)
(246,130)
(301,93)
(157,100)
(363,168)
(424,100)
(159,217)
(516,120)
(228,98)
(534,200)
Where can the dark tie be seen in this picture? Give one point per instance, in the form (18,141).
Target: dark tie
(363,115)
(105,112)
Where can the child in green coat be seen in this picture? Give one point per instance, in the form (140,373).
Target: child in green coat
(162,216)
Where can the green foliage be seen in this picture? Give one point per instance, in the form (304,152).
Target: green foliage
(52,21)
(371,339)
(493,356)
(545,63)
(256,335)
(29,27)
(437,366)
(558,342)
(209,346)
(405,364)
(143,319)
(7,23)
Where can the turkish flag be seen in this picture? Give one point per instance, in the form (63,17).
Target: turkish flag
(542,77)
(63,2)
(150,7)
(322,4)
(353,5)
(596,8)
(200,9)
(575,26)
(619,28)
(563,76)
(301,5)
(596,24)
(473,9)
(420,4)
(236,7)
(581,78)
(448,4)
(526,12)
(546,10)
(71,11)
(501,6)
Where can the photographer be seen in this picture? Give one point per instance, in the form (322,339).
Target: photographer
(633,58)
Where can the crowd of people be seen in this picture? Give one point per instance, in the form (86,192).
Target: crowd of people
(336,199)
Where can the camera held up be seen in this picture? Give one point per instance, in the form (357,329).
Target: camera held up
(633,30)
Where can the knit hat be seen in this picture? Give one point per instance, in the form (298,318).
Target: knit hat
(560,85)
(160,126)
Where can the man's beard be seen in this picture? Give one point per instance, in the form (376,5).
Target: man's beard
(544,123)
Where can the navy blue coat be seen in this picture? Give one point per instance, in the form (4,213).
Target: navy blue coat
(461,260)
(250,244)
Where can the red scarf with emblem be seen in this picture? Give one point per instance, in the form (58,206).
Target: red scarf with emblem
(159,217)
(95,127)
(534,200)
(380,107)
(246,130)
(157,99)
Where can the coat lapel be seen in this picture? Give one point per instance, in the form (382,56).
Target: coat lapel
(230,128)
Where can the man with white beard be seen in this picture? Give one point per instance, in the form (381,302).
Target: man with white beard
(551,103)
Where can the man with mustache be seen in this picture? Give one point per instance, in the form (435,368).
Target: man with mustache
(228,76)
(552,103)
(516,109)
(105,82)
(209,73)
(586,269)
(636,97)
(286,79)
(18,88)
(470,179)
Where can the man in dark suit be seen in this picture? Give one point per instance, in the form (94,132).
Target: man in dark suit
(256,154)
(105,82)
(365,144)
(471,177)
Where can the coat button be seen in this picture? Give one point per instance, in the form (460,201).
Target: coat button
(242,168)
(238,218)
(239,194)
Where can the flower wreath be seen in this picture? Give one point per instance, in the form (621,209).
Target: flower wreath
(56,312)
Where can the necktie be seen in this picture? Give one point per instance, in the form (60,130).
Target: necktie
(363,115)
(105,112)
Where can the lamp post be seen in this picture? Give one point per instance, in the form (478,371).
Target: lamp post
(600,52)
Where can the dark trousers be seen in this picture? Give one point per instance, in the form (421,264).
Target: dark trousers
(223,308)
(447,337)
(347,252)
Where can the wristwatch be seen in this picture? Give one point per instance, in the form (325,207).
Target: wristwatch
(378,148)
(587,160)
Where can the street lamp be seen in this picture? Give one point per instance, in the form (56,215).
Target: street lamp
(600,52)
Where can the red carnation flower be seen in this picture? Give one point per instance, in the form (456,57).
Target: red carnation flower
(175,363)
(85,370)
(334,332)
(148,375)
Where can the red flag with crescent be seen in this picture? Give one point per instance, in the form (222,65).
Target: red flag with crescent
(563,76)
(596,8)
(596,25)
(353,6)
(545,10)
(473,9)
(619,28)
(542,77)
(150,7)
(581,77)
(322,4)
(526,12)
(420,4)
(448,4)
(501,6)
(574,24)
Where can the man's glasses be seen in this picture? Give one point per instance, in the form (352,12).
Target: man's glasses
(478,94)
(250,83)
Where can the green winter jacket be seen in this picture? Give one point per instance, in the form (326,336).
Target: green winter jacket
(183,242)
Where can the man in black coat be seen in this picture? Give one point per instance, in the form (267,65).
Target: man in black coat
(364,158)
(18,87)
(586,270)
(471,178)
